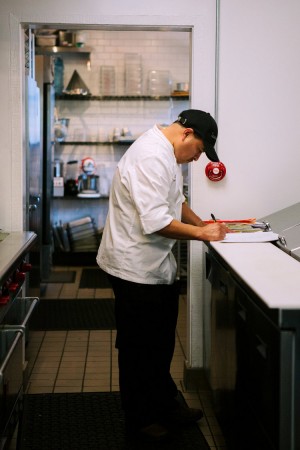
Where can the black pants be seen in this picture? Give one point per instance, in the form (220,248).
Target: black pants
(146,318)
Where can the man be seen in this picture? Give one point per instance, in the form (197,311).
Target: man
(147,214)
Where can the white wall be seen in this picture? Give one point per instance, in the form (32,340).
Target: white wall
(259,109)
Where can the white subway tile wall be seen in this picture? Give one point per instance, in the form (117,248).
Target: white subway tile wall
(159,50)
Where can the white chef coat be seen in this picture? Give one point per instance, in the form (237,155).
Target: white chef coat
(146,195)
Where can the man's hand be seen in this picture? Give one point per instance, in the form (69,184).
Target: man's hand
(214,232)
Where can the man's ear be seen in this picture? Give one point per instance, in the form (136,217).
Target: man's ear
(187,132)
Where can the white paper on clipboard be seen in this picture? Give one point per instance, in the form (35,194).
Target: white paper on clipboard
(259,236)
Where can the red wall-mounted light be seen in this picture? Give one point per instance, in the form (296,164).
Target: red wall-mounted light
(215,171)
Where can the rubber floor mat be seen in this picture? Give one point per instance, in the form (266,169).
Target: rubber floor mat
(94,279)
(88,421)
(77,314)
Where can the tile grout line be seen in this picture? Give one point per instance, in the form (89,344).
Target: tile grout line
(111,362)
(86,359)
(59,365)
(180,344)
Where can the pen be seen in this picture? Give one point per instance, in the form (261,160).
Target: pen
(213,217)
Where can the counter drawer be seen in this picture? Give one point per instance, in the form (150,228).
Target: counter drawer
(11,374)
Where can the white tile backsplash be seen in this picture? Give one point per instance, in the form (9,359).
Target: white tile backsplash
(159,50)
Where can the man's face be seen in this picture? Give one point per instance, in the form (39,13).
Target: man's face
(188,147)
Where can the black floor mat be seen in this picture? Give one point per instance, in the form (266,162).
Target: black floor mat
(77,314)
(94,279)
(88,421)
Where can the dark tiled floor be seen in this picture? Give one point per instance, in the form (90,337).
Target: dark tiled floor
(86,361)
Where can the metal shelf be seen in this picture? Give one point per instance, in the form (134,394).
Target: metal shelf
(95,143)
(55,50)
(74,197)
(120,97)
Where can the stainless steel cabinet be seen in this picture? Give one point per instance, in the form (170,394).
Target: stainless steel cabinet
(254,364)
(11,381)
(264,372)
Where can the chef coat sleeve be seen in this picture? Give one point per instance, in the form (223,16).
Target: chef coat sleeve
(152,187)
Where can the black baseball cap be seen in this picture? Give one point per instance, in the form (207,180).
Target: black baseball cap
(204,126)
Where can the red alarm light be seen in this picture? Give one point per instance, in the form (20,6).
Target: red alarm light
(215,171)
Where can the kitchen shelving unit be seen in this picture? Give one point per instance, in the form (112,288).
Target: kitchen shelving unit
(72,204)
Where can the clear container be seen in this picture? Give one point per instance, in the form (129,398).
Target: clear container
(133,74)
(159,83)
(80,38)
(107,80)
(104,181)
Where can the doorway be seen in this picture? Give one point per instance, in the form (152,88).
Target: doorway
(162,58)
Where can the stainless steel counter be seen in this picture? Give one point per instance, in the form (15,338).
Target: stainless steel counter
(12,248)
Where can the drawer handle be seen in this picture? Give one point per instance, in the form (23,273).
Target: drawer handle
(30,311)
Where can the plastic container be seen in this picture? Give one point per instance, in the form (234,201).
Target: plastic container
(133,74)
(104,181)
(80,39)
(159,83)
(107,80)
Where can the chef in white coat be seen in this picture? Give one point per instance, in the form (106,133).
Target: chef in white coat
(147,214)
